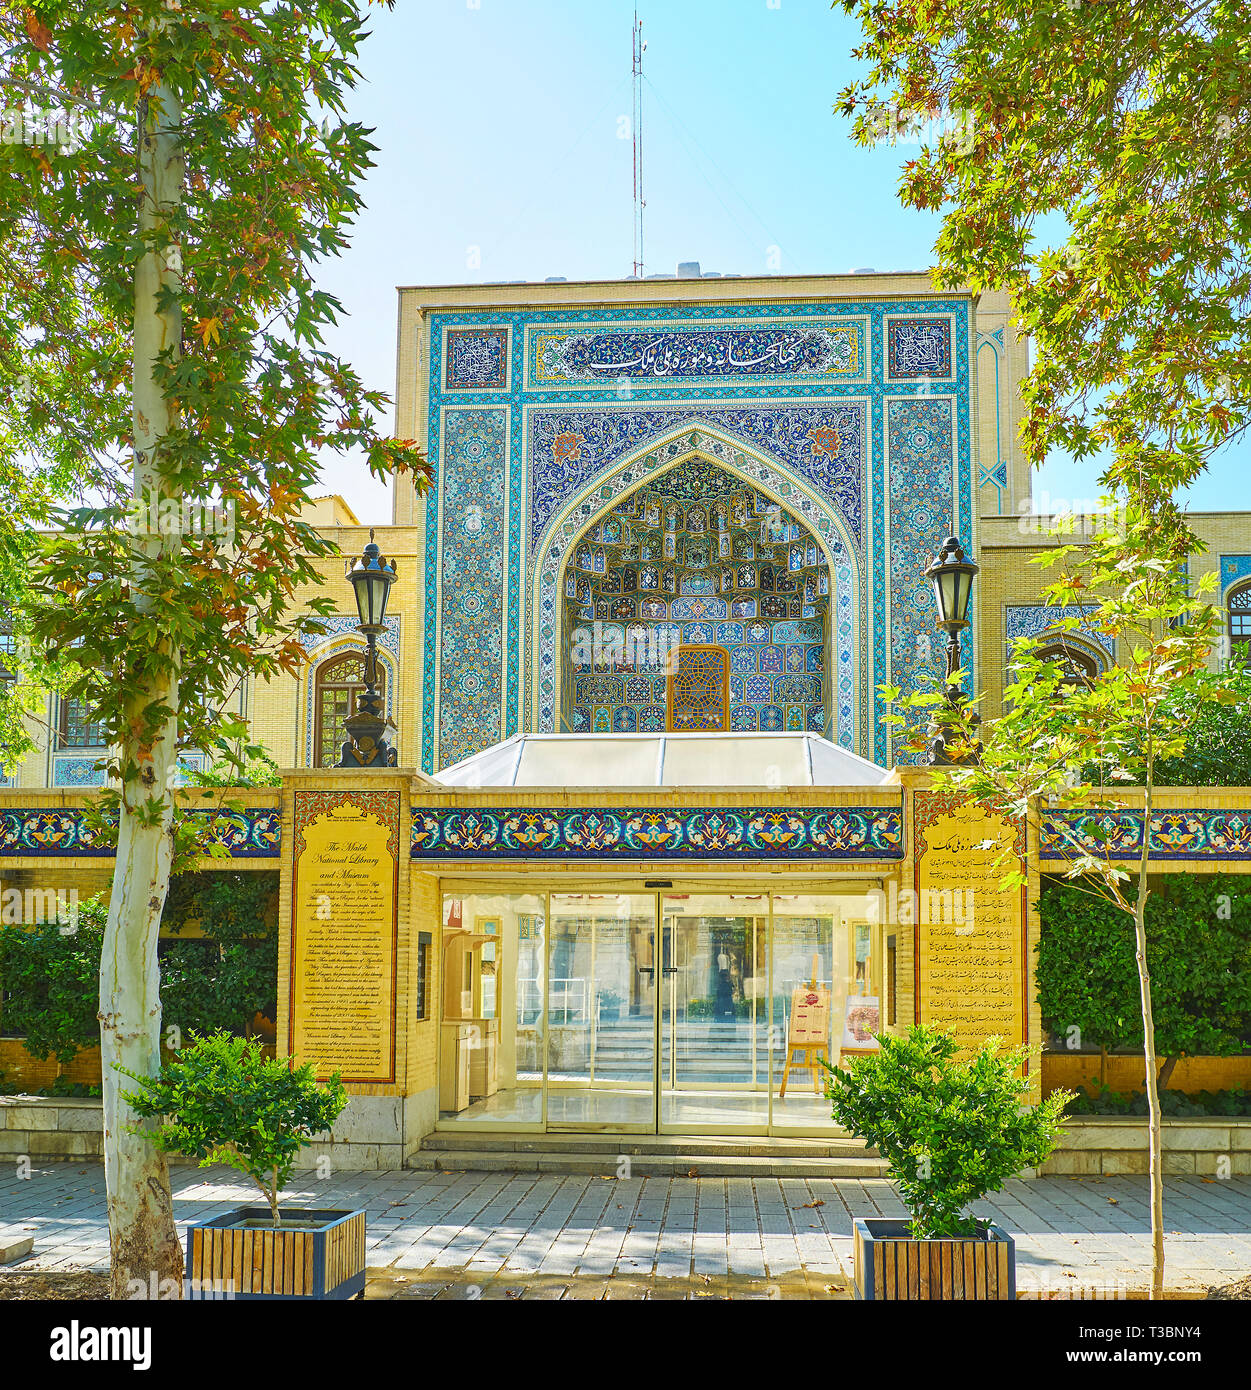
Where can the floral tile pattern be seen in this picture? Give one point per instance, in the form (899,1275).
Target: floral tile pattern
(838,832)
(1201,833)
(52,832)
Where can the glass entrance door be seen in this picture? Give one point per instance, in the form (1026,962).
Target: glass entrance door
(610,1008)
(604,974)
(713,1048)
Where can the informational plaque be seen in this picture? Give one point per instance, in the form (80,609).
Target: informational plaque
(343,933)
(970,931)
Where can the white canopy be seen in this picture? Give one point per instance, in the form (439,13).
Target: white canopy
(665,760)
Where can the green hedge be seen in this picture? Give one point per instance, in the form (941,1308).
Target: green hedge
(1198,955)
(50,977)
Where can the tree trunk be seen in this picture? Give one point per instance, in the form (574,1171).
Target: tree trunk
(1155,1160)
(146,1260)
(1166,1072)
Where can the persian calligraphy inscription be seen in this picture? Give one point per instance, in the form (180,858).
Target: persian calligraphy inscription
(970,946)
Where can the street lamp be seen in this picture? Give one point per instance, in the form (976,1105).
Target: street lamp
(953,573)
(371,577)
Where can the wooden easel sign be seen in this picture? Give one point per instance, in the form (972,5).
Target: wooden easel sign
(808,1031)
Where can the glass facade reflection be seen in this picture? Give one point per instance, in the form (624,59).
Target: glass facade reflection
(641,1011)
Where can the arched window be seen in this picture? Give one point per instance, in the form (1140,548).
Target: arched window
(1080,667)
(338,686)
(1240,625)
(78,729)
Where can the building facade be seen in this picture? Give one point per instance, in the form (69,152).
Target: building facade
(649,851)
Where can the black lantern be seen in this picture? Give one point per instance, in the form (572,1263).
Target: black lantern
(953,573)
(953,576)
(371,577)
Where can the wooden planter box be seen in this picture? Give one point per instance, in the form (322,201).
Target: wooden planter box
(890,1264)
(230,1257)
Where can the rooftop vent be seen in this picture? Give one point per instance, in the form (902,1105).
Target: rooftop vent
(688,270)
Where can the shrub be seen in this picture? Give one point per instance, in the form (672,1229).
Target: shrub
(1178,1104)
(227,976)
(221,1100)
(51,979)
(1198,951)
(951,1131)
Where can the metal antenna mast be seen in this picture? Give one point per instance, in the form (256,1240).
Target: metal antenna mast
(638,46)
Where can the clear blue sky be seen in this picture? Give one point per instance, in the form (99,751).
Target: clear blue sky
(498,126)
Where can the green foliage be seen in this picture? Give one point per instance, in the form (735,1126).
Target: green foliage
(1199,934)
(1097,166)
(263,190)
(951,1131)
(1217,751)
(256,768)
(1174,1104)
(220,980)
(223,1101)
(50,975)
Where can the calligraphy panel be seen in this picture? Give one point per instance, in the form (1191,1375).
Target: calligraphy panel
(344,925)
(970,932)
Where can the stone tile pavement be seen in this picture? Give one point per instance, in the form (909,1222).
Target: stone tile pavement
(497,1235)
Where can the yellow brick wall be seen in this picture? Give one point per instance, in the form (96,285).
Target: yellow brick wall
(426,915)
(997,408)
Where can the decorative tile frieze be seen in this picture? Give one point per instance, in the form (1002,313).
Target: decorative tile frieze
(828,350)
(1194,833)
(471,582)
(1234,568)
(53,832)
(477,359)
(829,832)
(918,347)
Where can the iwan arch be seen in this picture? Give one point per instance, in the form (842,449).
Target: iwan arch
(710,544)
(597,917)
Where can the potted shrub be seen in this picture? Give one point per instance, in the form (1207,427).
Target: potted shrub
(952,1131)
(222,1100)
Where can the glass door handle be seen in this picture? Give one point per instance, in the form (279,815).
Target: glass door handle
(646,969)
(671,969)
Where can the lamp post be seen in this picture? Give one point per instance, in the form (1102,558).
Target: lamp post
(953,573)
(371,577)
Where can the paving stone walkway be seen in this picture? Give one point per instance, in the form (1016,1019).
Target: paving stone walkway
(499,1235)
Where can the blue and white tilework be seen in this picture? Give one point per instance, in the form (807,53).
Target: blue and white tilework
(585,405)
(1026,620)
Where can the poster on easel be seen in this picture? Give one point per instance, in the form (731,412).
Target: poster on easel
(863,1018)
(810,1016)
